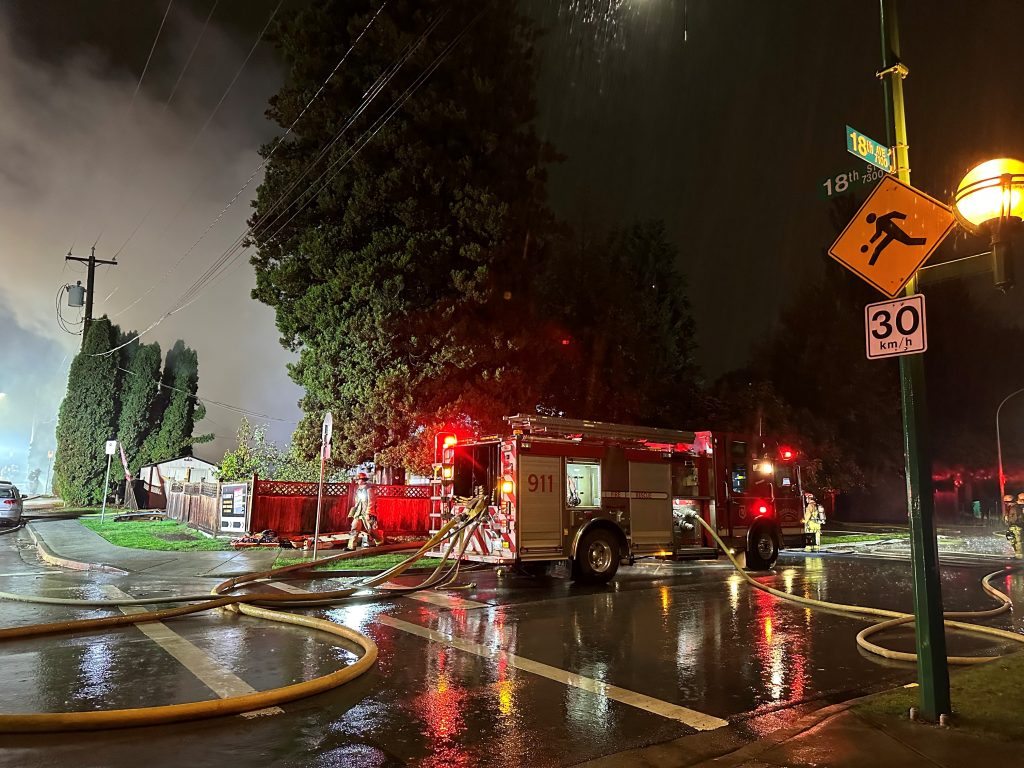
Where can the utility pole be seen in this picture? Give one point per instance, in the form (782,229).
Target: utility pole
(90,283)
(932,672)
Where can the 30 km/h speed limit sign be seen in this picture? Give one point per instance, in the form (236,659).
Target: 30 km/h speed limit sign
(896,327)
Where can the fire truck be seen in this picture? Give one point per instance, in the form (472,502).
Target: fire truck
(597,494)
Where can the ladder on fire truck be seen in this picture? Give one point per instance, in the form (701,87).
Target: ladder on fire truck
(582,428)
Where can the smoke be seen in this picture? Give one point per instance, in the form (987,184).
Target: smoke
(83,162)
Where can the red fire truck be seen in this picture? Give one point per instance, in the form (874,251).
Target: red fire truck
(597,494)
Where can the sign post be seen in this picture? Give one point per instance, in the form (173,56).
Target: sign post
(111,449)
(325,453)
(930,632)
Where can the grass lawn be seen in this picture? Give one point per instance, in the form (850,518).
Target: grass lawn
(986,700)
(845,538)
(165,535)
(373,563)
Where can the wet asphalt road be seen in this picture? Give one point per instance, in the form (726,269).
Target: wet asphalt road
(691,635)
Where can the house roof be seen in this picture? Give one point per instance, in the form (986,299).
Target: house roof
(195,459)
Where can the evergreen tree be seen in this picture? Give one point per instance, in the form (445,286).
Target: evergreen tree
(87,419)
(393,279)
(178,406)
(624,336)
(138,397)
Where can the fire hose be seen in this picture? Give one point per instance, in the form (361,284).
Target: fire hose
(893,618)
(251,604)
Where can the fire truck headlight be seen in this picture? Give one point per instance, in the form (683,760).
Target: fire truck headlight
(447,473)
(765,468)
(507,486)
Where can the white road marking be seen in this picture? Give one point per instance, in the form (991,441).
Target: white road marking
(446,601)
(214,676)
(697,720)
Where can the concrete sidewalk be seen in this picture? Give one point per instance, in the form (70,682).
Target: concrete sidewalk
(832,737)
(69,544)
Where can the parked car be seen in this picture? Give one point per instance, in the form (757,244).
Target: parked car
(11,505)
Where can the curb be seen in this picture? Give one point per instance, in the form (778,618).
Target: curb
(66,562)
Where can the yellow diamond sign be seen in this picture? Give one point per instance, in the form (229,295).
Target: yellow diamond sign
(892,235)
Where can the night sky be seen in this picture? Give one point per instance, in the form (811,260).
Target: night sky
(727,136)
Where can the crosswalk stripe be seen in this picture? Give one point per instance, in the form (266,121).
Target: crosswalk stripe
(697,720)
(213,675)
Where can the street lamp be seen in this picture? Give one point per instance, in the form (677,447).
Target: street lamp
(999,447)
(990,200)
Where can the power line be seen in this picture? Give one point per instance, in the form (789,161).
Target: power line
(235,408)
(232,252)
(181,75)
(255,171)
(151,49)
(216,108)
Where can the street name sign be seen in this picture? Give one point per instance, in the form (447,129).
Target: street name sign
(896,327)
(850,180)
(868,149)
(893,234)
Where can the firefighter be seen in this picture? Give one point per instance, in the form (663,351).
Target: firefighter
(364,521)
(814,518)
(1015,520)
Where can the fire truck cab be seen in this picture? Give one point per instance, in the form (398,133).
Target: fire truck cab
(598,494)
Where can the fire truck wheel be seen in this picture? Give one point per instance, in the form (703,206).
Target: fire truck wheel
(597,558)
(764,549)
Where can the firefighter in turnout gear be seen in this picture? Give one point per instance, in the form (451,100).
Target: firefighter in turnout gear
(814,518)
(364,521)
(1013,516)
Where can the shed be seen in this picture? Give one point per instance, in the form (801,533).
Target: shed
(156,478)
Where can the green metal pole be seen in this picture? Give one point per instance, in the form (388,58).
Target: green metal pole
(932,672)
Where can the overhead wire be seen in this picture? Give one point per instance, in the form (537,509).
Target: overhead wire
(207,401)
(96,162)
(188,60)
(152,48)
(252,175)
(192,293)
(232,252)
(216,108)
(237,248)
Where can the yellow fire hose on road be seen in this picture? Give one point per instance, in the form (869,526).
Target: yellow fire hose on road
(894,618)
(253,702)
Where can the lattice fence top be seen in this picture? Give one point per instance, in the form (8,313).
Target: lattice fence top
(283,488)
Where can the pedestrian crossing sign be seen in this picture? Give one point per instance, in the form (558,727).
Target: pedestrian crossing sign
(892,235)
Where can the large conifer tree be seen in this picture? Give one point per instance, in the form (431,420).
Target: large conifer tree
(138,396)
(396,279)
(87,419)
(178,407)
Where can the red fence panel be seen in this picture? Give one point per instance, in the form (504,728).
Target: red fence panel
(290,508)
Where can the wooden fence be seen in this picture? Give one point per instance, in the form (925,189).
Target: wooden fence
(290,508)
(195,504)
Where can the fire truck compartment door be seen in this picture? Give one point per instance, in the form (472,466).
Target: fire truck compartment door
(541,497)
(650,503)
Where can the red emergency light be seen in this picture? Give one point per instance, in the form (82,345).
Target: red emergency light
(450,440)
(787,454)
